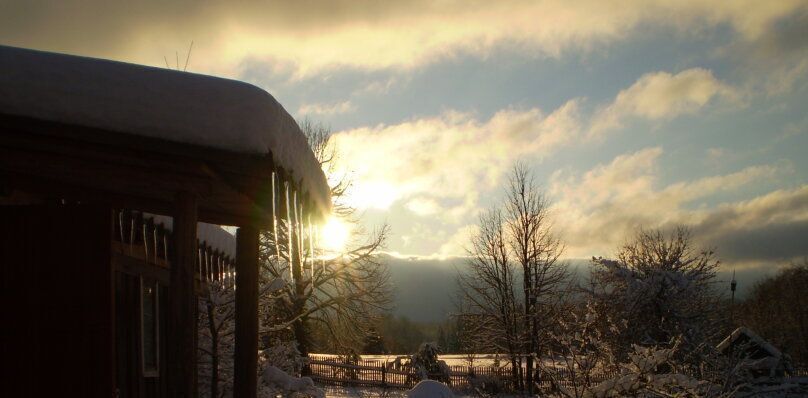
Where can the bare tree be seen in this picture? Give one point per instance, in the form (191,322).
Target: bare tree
(536,251)
(489,308)
(515,276)
(343,294)
(784,295)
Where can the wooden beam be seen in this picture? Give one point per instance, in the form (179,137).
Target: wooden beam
(246,350)
(181,350)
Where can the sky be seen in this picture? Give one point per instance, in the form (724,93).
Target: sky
(629,113)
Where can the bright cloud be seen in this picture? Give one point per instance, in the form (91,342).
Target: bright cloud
(321,109)
(423,206)
(315,36)
(599,208)
(452,156)
(661,95)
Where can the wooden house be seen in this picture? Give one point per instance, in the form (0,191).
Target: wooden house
(99,294)
(763,359)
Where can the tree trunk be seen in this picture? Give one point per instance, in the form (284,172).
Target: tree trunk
(214,353)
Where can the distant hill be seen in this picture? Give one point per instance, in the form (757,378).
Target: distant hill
(425,288)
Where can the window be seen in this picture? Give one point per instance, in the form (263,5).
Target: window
(150,327)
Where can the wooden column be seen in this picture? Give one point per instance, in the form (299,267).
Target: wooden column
(181,344)
(246,350)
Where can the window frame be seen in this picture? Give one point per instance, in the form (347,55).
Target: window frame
(155,370)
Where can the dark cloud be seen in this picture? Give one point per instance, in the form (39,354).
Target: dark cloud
(775,242)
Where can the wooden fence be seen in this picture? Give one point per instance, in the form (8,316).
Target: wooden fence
(332,370)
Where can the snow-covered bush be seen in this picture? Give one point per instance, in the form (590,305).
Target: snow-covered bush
(579,354)
(278,364)
(283,355)
(275,381)
(650,373)
(486,385)
(426,364)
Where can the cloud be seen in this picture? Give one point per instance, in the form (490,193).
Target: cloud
(775,61)
(310,37)
(447,158)
(458,243)
(423,206)
(662,96)
(336,108)
(598,209)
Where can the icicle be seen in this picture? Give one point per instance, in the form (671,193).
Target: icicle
(199,262)
(154,240)
(120,225)
(131,234)
(311,247)
(145,242)
(322,252)
(297,233)
(275,220)
(301,240)
(289,232)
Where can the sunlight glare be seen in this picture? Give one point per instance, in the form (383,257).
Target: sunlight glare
(335,235)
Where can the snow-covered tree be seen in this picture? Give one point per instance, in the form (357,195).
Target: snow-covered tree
(216,338)
(662,287)
(216,327)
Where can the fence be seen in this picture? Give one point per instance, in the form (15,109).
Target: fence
(333,370)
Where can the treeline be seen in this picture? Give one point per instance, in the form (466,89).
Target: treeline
(400,335)
(777,309)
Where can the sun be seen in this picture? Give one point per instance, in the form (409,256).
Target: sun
(334,235)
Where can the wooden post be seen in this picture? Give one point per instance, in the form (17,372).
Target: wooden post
(246,351)
(181,344)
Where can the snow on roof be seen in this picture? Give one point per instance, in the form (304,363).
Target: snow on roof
(753,337)
(215,236)
(159,103)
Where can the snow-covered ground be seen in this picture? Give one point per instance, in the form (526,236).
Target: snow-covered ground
(367,392)
(451,360)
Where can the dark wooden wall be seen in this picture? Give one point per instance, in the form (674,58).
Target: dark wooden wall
(56,295)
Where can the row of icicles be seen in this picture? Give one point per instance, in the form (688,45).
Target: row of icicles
(295,229)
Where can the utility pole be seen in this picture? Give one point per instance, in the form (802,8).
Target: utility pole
(732,286)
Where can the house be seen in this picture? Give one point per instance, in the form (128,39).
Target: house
(766,359)
(113,180)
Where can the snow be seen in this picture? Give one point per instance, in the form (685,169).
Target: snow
(277,378)
(215,236)
(158,103)
(430,389)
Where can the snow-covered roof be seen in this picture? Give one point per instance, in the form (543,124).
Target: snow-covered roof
(158,103)
(215,236)
(753,337)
